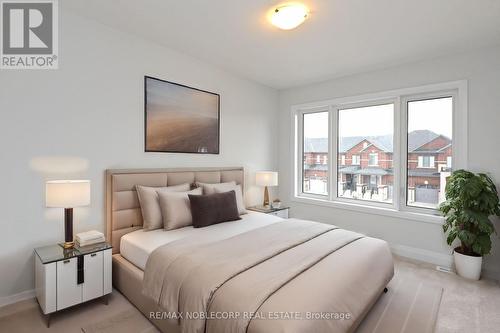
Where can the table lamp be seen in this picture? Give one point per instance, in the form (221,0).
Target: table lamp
(67,194)
(266,178)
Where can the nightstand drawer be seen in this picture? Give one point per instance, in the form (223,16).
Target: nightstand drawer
(281,213)
(93,276)
(69,292)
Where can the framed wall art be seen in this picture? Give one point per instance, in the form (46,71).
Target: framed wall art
(180,119)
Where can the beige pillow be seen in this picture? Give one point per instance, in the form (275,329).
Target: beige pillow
(210,188)
(176,209)
(226,187)
(150,205)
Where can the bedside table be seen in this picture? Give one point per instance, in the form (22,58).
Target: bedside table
(281,212)
(66,277)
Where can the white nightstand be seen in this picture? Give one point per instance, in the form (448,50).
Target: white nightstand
(66,277)
(281,212)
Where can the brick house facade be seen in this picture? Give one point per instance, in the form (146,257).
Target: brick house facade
(365,164)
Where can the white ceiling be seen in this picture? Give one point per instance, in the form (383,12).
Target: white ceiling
(340,37)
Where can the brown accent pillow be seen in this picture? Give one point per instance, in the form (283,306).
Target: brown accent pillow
(213,208)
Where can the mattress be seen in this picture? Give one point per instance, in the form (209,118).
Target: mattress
(138,245)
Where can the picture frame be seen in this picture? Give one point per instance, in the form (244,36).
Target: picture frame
(180,119)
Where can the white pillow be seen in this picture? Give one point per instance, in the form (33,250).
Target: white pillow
(226,187)
(150,206)
(176,208)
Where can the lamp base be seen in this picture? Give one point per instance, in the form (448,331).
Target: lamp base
(68,229)
(266,197)
(68,245)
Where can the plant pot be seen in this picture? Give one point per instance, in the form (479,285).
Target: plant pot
(468,267)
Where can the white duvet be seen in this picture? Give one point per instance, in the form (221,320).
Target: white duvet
(138,245)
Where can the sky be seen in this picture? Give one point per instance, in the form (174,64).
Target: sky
(434,115)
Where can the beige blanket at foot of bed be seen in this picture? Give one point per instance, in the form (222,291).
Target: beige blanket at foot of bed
(283,277)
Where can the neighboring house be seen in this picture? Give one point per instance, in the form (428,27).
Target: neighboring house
(365,165)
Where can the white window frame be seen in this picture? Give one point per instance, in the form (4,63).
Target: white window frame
(400,98)
(342,159)
(458,144)
(421,164)
(298,125)
(354,105)
(358,159)
(376,159)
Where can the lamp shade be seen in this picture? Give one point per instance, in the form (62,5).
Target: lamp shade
(266,178)
(67,193)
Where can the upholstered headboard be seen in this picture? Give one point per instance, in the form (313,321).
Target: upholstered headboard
(123,212)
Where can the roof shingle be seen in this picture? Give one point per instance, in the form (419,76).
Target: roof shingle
(416,139)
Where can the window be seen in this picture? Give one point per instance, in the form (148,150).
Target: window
(391,150)
(373,159)
(358,129)
(429,132)
(426,161)
(315,132)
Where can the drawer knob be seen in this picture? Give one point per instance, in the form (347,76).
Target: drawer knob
(66,261)
(93,254)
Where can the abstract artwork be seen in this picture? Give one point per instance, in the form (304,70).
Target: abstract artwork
(180,119)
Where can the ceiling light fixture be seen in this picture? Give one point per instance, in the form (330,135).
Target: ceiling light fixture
(289,16)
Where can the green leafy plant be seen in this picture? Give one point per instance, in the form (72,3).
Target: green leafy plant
(470,201)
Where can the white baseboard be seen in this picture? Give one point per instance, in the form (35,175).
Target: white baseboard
(439,259)
(27,294)
(431,257)
(491,273)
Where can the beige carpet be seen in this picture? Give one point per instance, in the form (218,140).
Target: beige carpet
(410,306)
(128,321)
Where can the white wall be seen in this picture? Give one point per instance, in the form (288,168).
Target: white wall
(482,70)
(88,116)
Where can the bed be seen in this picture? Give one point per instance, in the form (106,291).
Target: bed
(259,274)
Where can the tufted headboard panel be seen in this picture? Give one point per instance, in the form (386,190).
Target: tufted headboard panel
(123,212)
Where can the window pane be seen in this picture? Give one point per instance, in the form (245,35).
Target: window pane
(366,139)
(315,171)
(429,150)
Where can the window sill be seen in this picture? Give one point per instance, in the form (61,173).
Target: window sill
(384,211)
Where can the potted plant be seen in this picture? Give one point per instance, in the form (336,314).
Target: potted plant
(470,201)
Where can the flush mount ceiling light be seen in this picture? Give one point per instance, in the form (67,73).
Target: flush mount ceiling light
(289,16)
